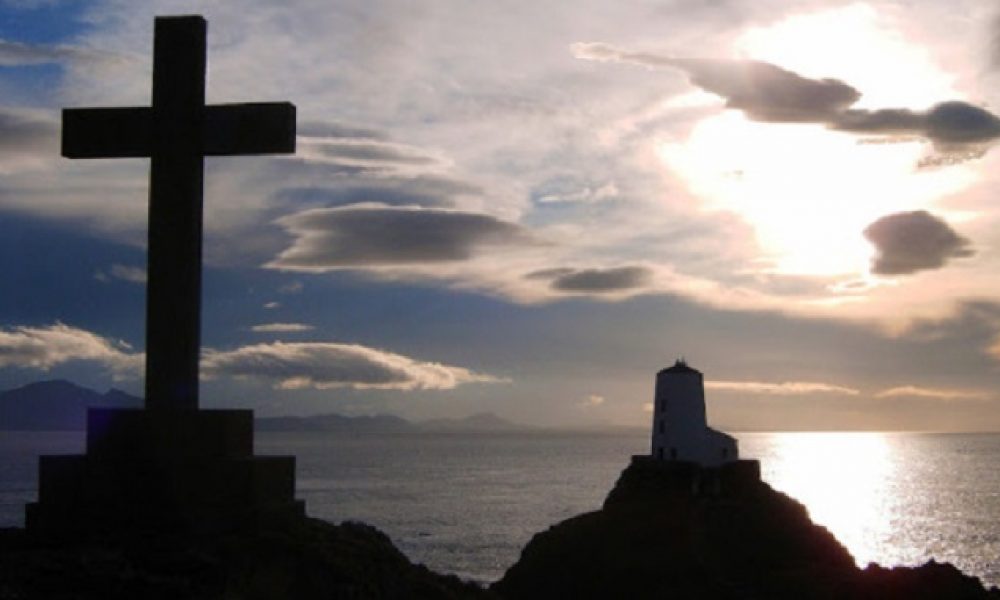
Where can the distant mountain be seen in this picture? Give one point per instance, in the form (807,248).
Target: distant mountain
(335,423)
(62,406)
(56,406)
(485,421)
(482,422)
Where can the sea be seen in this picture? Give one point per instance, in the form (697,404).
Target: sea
(467,503)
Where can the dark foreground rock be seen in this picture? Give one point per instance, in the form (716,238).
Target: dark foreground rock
(674,530)
(305,559)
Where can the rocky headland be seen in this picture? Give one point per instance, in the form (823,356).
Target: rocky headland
(676,530)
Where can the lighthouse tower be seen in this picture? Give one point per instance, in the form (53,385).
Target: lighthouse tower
(680,430)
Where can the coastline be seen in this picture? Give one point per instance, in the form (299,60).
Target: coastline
(677,529)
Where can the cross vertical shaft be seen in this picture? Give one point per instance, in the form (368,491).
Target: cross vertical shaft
(173,294)
(176,133)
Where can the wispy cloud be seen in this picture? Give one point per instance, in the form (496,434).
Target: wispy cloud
(332,365)
(339,165)
(281,328)
(564,191)
(27,134)
(912,391)
(14,54)
(294,287)
(124,273)
(373,154)
(995,42)
(787,388)
(592,401)
(319,365)
(46,347)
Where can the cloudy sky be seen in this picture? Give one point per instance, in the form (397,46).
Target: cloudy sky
(530,207)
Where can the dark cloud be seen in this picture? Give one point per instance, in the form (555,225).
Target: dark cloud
(960,123)
(888,121)
(949,124)
(369,236)
(769,93)
(328,365)
(614,279)
(766,92)
(553,273)
(913,241)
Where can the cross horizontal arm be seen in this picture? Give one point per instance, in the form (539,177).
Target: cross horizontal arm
(107,132)
(257,128)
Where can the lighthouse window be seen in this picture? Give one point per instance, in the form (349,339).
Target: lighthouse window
(661,425)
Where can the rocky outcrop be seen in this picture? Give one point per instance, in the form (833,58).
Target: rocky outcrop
(675,530)
(306,558)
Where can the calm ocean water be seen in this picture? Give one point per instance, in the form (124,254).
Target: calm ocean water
(467,503)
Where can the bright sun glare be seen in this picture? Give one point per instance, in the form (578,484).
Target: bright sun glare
(819,468)
(807,191)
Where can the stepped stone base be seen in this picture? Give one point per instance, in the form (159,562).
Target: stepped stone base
(163,470)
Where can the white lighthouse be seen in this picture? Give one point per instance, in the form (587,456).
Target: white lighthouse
(680,431)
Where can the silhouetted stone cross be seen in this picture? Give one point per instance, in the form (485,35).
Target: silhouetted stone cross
(176,133)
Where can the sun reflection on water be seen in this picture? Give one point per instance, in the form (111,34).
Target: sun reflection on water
(845,481)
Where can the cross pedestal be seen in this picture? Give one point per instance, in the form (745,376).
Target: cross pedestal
(170,465)
(150,471)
